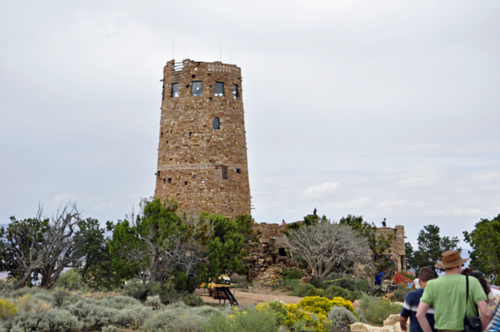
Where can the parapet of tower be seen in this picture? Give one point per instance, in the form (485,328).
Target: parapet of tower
(202,154)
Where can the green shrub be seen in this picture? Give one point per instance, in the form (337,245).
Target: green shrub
(336,291)
(219,323)
(71,280)
(401,292)
(120,302)
(169,294)
(377,309)
(340,315)
(153,301)
(110,328)
(347,282)
(60,321)
(362,318)
(7,309)
(44,296)
(304,290)
(135,289)
(317,282)
(42,306)
(95,316)
(23,291)
(5,286)
(363,285)
(289,274)
(175,318)
(60,295)
(24,303)
(255,321)
(249,320)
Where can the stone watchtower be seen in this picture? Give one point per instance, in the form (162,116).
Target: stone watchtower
(202,154)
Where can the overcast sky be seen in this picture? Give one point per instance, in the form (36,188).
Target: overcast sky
(386,109)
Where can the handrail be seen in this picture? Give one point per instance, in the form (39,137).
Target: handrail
(178,66)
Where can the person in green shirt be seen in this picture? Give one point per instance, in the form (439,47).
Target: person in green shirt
(447,295)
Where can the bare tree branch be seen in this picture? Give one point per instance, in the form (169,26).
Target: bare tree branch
(325,246)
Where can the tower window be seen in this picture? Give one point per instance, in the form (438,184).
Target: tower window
(169,180)
(238,171)
(186,183)
(235,91)
(216,124)
(219,89)
(197,89)
(175,90)
(164,181)
(224,172)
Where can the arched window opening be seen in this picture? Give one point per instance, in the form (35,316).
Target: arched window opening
(216,124)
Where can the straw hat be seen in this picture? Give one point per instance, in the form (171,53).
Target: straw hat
(450,259)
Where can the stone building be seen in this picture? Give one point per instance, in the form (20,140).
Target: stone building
(271,255)
(202,154)
(397,250)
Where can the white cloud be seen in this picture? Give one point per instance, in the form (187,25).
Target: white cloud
(454,212)
(419,177)
(486,176)
(320,190)
(394,203)
(355,203)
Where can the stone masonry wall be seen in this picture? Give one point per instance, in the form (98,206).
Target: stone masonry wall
(397,250)
(203,168)
(268,254)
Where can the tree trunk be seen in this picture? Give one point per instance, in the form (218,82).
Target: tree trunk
(24,279)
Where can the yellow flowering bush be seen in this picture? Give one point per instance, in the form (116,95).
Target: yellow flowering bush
(313,310)
(7,309)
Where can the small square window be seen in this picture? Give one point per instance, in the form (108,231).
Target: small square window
(169,180)
(185,183)
(175,90)
(238,171)
(219,89)
(235,91)
(197,90)
(164,181)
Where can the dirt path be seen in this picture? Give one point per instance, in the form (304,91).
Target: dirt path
(247,298)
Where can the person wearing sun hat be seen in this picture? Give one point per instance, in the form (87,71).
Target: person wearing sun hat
(447,295)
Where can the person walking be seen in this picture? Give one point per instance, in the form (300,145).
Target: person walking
(411,304)
(416,282)
(447,295)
